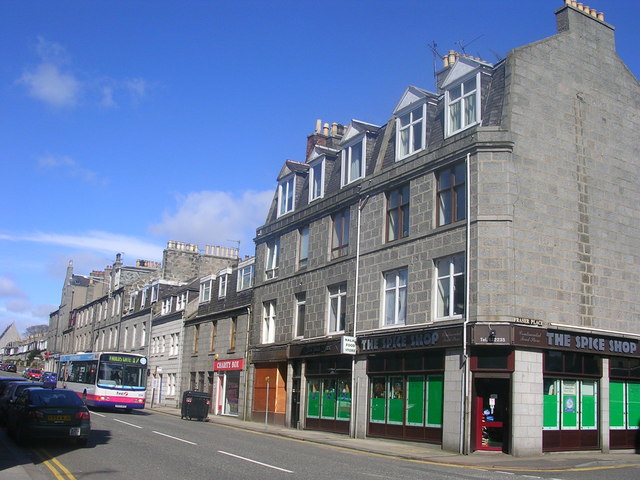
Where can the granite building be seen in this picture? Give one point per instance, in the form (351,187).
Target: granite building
(468,273)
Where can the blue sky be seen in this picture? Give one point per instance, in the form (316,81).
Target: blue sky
(125,124)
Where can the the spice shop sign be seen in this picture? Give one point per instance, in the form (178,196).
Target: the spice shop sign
(585,343)
(411,341)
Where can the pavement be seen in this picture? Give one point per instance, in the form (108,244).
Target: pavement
(16,465)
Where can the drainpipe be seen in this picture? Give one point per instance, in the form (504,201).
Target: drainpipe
(464,391)
(354,430)
(246,365)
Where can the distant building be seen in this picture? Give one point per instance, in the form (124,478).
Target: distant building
(216,337)
(9,335)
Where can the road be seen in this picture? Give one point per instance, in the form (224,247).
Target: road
(148,445)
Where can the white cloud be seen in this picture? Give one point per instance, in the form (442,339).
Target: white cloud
(54,81)
(137,88)
(107,97)
(9,289)
(18,306)
(97,241)
(49,84)
(70,167)
(51,52)
(216,218)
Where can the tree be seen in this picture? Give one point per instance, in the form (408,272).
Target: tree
(36,330)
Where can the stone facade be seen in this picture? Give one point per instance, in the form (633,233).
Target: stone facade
(506,305)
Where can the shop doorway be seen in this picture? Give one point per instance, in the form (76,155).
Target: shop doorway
(492,402)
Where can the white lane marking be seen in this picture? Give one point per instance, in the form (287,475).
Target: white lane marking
(255,461)
(126,423)
(174,438)
(98,414)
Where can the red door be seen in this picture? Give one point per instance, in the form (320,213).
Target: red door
(491,413)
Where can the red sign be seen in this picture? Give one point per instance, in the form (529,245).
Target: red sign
(236,364)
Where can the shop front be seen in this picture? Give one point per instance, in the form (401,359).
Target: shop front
(406,376)
(577,368)
(327,403)
(227,383)
(269,384)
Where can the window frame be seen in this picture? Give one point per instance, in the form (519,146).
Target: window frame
(233,334)
(167,304)
(271,259)
(316,169)
(300,314)
(206,286)
(303,246)
(450,195)
(337,293)
(347,176)
(269,312)
(286,195)
(401,212)
(223,282)
(340,228)
(451,276)
(399,292)
(461,100)
(212,337)
(246,276)
(410,127)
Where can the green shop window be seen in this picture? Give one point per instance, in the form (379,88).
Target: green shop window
(415,400)
(329,398)
(570,404)
(624,404)
(314,392)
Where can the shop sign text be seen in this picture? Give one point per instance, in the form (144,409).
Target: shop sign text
(596,344)
(398,342)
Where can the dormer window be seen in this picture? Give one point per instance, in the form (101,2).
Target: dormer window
(223,282)
(316,179)
(463,105)
(353,162)
(166,305)
(410,128)
(285,195)
(205,289)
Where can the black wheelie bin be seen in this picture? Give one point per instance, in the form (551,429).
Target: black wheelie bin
(195,405)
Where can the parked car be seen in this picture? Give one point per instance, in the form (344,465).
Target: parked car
(25,373)
(4,381)
(11,391)
(34,374)
(49,379)
(11,367)
(45,413)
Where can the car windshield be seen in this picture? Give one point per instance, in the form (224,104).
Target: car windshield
(55,398)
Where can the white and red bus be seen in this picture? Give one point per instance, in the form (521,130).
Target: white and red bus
(105,379)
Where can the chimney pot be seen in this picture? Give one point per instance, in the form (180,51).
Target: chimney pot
(601,16)
(581,7)
(325,130)
(594,13)
(318,125)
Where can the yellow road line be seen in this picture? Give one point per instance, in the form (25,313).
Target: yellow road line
(51,463)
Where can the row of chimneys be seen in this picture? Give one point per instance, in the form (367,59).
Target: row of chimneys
(336,128)
(216,251)
(586,9)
